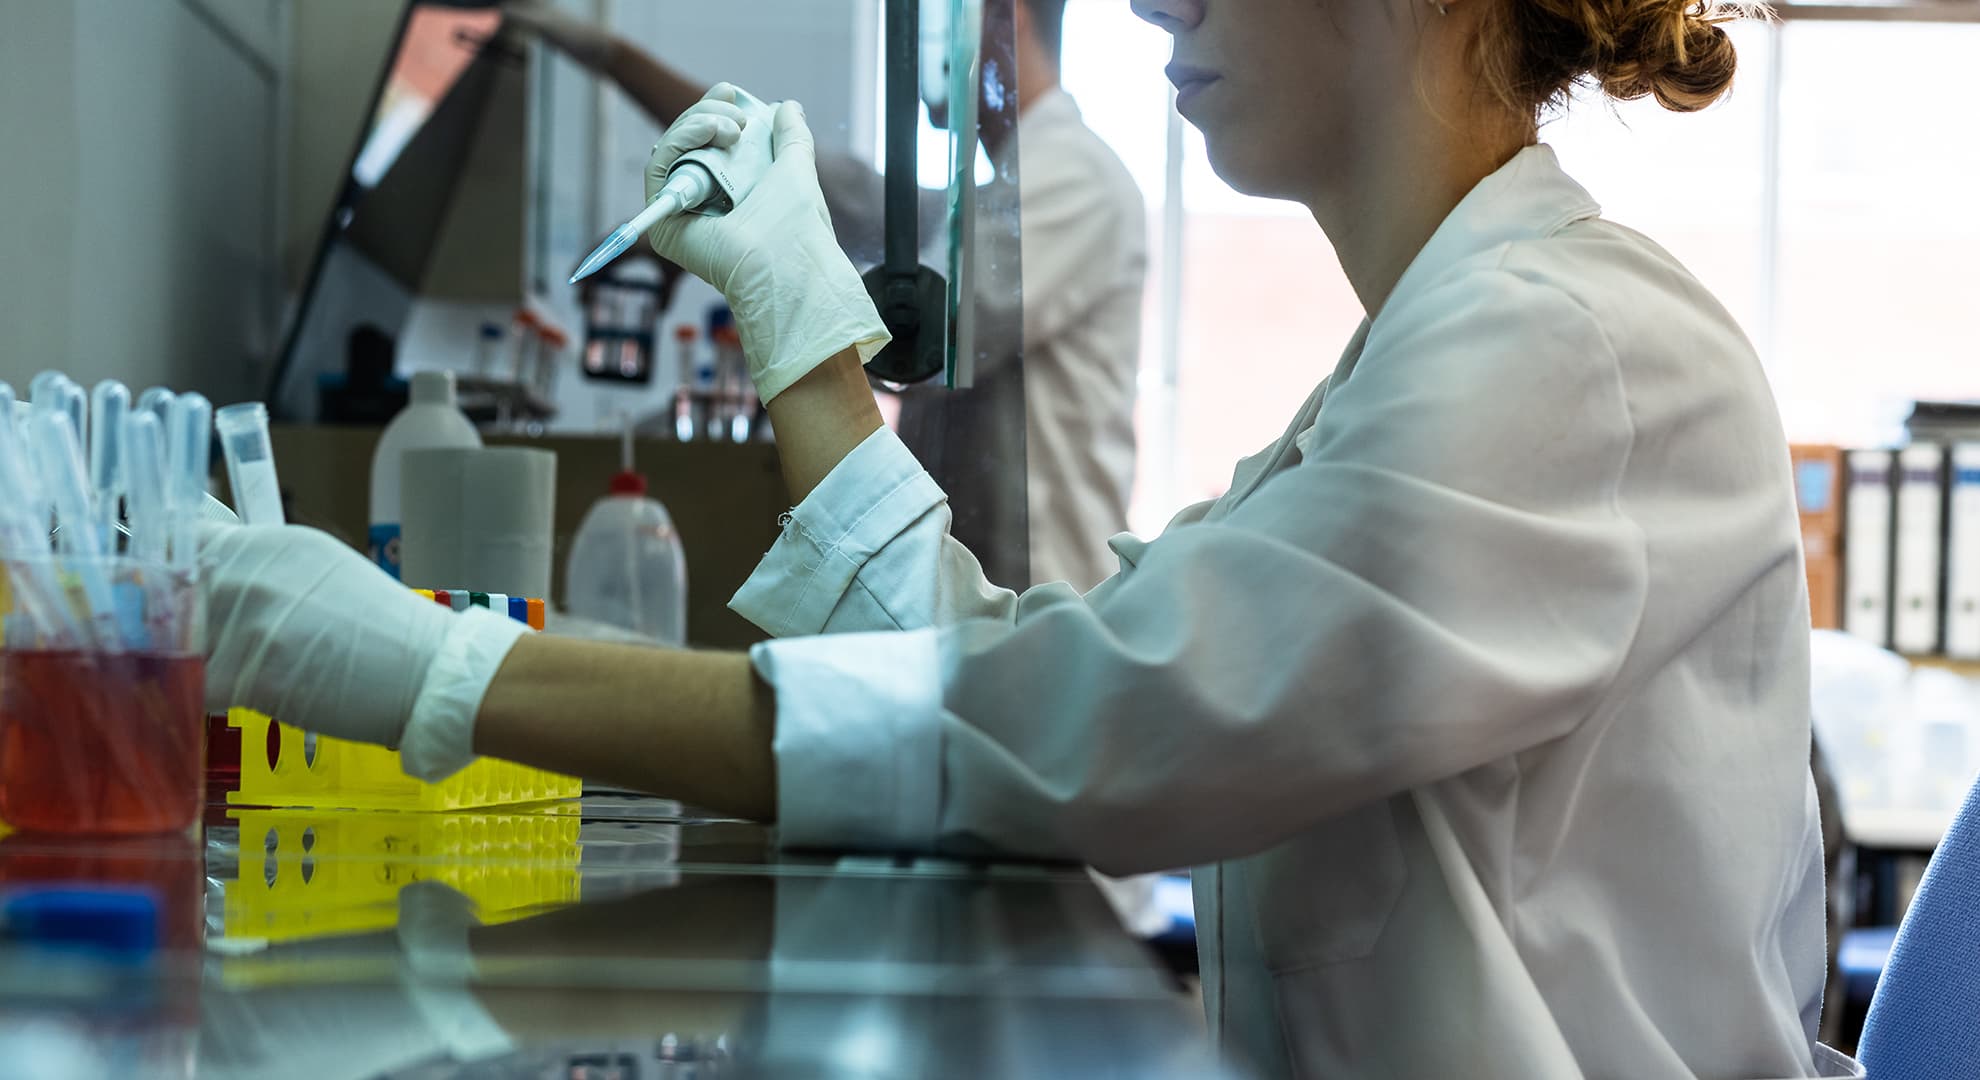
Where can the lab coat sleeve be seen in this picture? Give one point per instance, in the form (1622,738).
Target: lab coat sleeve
(869,549)
(1446,579)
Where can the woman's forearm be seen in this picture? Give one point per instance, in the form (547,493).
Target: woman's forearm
(820,419)
(658,89)
(694,726)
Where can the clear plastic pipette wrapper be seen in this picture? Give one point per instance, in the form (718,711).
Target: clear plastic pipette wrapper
(243,432)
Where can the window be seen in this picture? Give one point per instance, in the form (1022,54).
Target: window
(1256,310)
(1880,169)
(1829,203)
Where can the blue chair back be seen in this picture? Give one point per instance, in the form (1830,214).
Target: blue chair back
(1925,1017)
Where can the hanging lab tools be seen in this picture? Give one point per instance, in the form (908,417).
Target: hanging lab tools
(912,298)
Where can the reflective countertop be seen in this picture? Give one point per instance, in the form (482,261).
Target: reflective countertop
(613,937)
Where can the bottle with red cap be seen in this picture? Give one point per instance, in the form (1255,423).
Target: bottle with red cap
(626,567)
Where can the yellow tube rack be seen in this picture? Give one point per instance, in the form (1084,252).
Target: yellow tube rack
(333,773)
(295,769)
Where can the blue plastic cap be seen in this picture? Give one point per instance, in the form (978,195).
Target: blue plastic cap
(490,332)
(106,918)
(719,316)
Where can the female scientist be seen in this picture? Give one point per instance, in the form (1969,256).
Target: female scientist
(1480,701)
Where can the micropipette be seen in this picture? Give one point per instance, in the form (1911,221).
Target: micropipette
(250,462)
(711,180)
(109,403)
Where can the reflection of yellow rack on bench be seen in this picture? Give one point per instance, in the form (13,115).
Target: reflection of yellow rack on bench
(306,873)
(337,773)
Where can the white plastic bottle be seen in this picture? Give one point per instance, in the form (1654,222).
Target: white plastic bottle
(626,567)
(431,420)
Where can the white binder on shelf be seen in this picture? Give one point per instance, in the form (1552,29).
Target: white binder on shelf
(1867,547)
(1963,554)
(1918,576)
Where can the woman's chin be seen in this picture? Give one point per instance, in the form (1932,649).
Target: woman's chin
(1236,161)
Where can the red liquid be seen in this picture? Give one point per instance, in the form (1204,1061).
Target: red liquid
(223,757)
(101,744)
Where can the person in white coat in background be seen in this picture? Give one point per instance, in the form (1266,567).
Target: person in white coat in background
(1480,701)
(1082,255)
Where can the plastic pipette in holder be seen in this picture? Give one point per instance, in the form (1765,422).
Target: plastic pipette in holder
(188,446)
(711,180)
(158,402)
(37,596)
(144,484)
(54,390)
(58,459)
(243,432)
(109,403)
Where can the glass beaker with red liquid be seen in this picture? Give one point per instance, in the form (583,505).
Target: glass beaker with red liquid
(103,720)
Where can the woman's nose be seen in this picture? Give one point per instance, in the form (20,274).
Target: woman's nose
(1174,16)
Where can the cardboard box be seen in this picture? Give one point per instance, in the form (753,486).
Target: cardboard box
(724,498)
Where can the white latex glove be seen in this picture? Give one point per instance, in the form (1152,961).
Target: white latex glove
(797,299)
(583,42)
(309,631)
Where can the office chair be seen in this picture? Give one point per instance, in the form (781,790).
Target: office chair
(1925,1017)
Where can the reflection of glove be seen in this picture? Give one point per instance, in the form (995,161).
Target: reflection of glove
(310,632)
(583,42)
(434,920)
(797,299)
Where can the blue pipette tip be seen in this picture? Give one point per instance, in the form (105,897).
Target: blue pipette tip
(614,246)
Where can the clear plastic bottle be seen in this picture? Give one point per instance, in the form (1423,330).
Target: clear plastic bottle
(685,429)
(627,568)
(431,420)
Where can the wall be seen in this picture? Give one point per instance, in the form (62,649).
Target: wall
(337,52)
(138,236)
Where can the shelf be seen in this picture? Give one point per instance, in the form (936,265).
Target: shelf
(1946,663)
(1895,829)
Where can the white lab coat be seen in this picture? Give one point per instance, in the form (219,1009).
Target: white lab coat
(1483,694)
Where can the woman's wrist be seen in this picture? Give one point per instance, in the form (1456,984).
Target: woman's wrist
(439,735)
(821,418)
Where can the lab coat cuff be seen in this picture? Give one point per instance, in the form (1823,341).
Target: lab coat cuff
(858,744)
(439,737)
(872,496)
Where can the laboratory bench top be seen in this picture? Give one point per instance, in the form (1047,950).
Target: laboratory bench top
(613,936)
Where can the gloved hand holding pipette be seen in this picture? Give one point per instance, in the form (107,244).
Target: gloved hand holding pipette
(797,299)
